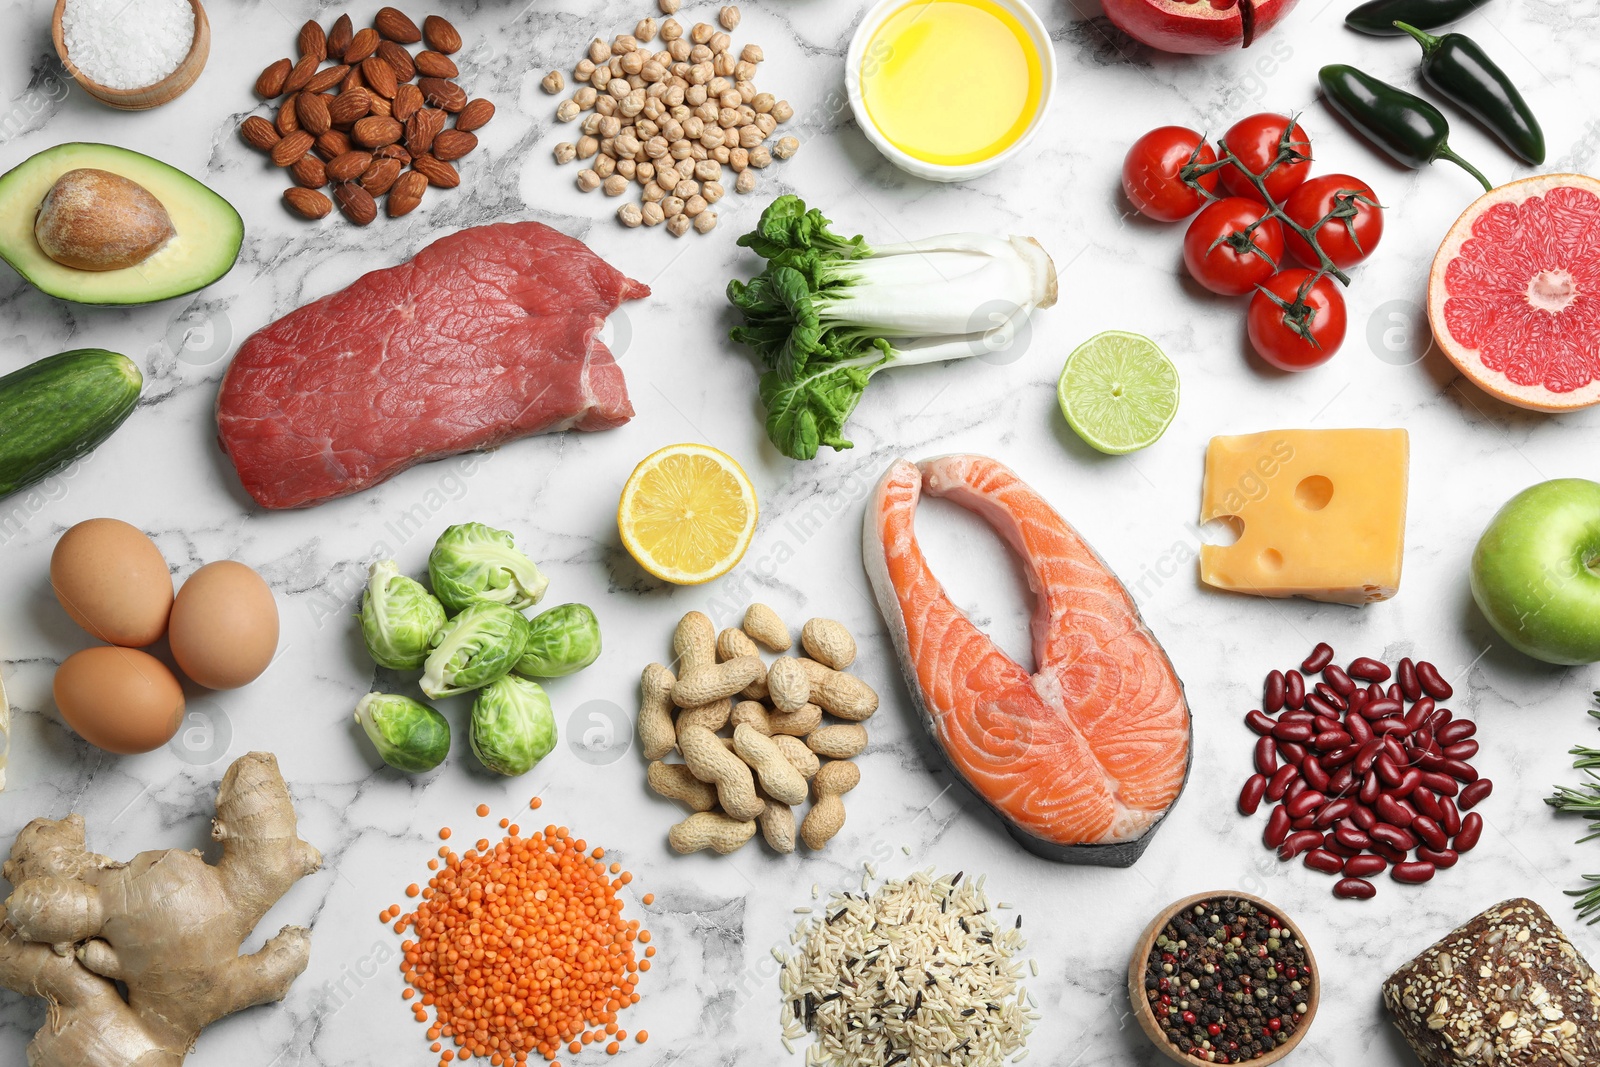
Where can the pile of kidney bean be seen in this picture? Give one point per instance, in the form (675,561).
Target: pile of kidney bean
(1366,777)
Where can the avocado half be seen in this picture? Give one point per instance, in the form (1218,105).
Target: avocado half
(203,248)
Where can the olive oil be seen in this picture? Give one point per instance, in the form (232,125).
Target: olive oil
(951,82)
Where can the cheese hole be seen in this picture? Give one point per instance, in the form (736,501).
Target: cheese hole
(1272,559)
(1313,493)
(1224,530)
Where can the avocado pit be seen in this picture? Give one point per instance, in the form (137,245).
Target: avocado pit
(96,220)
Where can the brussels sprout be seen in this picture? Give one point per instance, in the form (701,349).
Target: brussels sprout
(512,725)
(409,735)
(398,618)
(477,564)
(561,641)
(473,649)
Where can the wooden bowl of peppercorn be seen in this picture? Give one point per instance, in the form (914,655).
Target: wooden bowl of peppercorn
(1296,953)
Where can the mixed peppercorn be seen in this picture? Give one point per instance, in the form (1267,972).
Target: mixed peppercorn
(1228,982)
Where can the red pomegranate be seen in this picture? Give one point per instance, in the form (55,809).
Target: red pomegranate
(1196,27)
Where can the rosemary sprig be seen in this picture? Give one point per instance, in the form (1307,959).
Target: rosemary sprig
(1584,800)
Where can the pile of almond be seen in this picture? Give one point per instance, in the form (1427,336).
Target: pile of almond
(359,109)
(671,119)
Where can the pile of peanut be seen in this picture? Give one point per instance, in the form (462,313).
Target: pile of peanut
(747,765)
(671,120)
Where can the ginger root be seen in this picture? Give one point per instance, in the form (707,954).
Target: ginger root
(168,925)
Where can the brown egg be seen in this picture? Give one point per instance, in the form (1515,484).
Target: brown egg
(119,699)
(224,628)
(112,580)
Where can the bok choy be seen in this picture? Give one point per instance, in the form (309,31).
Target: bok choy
(829,312)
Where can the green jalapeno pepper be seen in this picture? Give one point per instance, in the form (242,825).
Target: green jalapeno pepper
(1379,16)
(1462,72)
(1407,127)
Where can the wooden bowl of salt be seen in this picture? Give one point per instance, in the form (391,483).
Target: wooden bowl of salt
(131,50)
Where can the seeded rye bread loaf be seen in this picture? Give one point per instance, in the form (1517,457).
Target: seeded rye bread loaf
(1505,990)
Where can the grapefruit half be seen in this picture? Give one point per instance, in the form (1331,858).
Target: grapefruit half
(1514,293)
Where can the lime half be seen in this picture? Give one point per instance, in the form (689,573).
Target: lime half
(1118,391)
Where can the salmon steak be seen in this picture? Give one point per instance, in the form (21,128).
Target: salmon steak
(1080,759)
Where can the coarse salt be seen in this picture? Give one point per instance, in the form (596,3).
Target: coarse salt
(127,44)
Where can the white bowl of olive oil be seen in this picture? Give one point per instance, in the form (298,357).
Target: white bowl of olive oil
(950,89)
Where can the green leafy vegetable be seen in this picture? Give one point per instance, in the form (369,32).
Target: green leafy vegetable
(561,641)
(513,726)
(409,735)
(398,618)
(829,312)
(477,647)
(477,564)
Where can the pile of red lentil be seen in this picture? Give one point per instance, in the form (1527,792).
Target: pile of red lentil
(520,948)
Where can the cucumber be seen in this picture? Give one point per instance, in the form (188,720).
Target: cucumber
(60,409)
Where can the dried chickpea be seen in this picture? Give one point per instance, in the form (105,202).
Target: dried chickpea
(739,158)
(724,64)
(705,222)
(585,96)
(657,147)
(681,149)
(728,17)
(587,146)
(747,115)
(750,137)
(717,86)
(712,191)
(606,105)
(627,144)
(722,153)
(730,98)
(651,212)
(633,63)
(746,182)
(686,188)
(599,51)
(763,103)
(617,88)
(608,147)
(786,147)
(672,206)
(667,177)
(693,205)
(746,89)
(588,180)
(553,82)
(630,215)
(653,192)
(583,70)
(752,53)
(760,157)
(678,225)
(646,29)
(667,6)
(674,96)
(782,111)
(591,124)
(614,64)
(720,42)
(566,152)
(727,118)
(645,172)
(609,126)
(766,124)
(567,110)
(623,44)
(605,165)
(694,96)
(627,168)
(708,171)
(700,55)
(679,49)
(701,33)
(697,152)
(672,130)
(632,104)
(653,73)
(615,185)
(671,30)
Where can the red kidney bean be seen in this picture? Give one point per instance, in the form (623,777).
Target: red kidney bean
(1461,750)
(1319,859)
(1407,678)
(1413,872)
(1259,723)
(1459,730)
(1255,787)
(1410,779)
(1443,858)
(1335,676)
(1272,695)
(1368,755)
(1297,843)
(1388,851)
(1394,692)
(1370,791)
(1293,731)
(1320,657)
(1422,742)
(1439,720)
(1266,755)
(1375,691)
(1315,776)
(1290,752)
(1320,706)
(1278,784)
(1333,811)
(1460,770)
(1360,732)
(1338,849)
(1296,787)
(1354,889)
(1368,669)
(1408,807)
(1340,756)
(1428,761)
(1298,716)
(1324,723)
(1350,837)
(1395,750)
(1390,726)
(1304,822)
(1442,784)
(1341,782)
(1419,713)
(1471,831)
(1474,794)
(1330,740)
(1364,866)
(1387,769)
(1277,827)
(1364,818)
(1433,682)
(1326,692)
(1358,700)
(1294,690)
(1449,816)
(1390,811)
(1432,833)
(1306,803)
(1381,708)
(1427,802)
(1388,834)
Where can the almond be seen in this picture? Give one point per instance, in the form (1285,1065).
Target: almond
(312,41)
(436,65)
(437,171)
(312,111)
(407,194)
(287,120)
(356,203)
(407,102)
(352,80)
(292,147)
(475,115)
(380,177)
(339,37)
(270,82)
(349,166)
(309,172)
(300,74)
(442,37)
(422,128)
(307,203)
(393,24)
(362,45)
(444,94)
(375,131)
(333,144)
(346,108)
(393,151)
(381,107)
(453,144)
(327,78)
(259,133)
(379,76)
(398,58)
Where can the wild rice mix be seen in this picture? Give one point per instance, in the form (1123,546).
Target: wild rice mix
(921,973)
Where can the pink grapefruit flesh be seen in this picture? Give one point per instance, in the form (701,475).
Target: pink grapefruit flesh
(1514,293)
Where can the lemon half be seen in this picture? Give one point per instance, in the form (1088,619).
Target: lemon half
(687,514)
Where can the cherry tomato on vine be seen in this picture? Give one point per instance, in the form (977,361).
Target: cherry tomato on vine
(1303,327)
(1150,175)
(1226,259)
(1256,141)
(1350,236)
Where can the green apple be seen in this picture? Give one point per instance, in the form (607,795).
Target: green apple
(1536,571)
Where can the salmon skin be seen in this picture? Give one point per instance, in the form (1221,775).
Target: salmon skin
(1082,759)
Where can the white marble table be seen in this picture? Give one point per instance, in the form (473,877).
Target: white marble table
(712,998)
